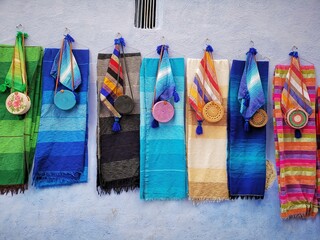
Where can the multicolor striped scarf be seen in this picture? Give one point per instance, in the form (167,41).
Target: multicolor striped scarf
(250,95)
(246,149)
(113,81)
(118,152)
(318,144)
(68,62)
(206,155)
(204,79)
(294,93)
(18,134)
(295,157)
(62,156)
(15,77)
(163,173)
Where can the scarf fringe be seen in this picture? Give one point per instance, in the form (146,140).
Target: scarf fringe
(200,200)
(13,189)
(118,186)
(246,197)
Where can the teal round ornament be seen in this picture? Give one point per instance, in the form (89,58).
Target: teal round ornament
(65,100)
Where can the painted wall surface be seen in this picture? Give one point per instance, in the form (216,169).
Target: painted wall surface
(78,212)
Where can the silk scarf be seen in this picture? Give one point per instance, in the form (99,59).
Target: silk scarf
(205,87)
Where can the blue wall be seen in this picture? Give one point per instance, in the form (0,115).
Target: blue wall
(77,212)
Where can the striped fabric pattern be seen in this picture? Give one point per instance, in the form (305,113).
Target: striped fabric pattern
(18,135)
(61,155)
(65,68)
(17,71)
(206,154)
(110,89)
(165,85)
(295,157)
(246,157)
(298,94)
(250,95)
(118,153)
(318,143)
(163,173)
(205,78)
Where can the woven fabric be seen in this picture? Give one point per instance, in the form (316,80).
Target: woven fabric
(113,81)
(206,153)
(295,157)
(18,134)
(246,149)
(15,77)
(250,95)
(66,67)
(163,173)
(294,93)
(205,78)
(318,143)
(118,152)
(62,156)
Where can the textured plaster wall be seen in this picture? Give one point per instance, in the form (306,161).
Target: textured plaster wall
(77,212)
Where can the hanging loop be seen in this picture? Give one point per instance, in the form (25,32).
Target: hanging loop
(19,27)
(251,43)
(66,31)
(294,48)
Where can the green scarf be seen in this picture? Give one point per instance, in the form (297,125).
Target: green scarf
(18,134)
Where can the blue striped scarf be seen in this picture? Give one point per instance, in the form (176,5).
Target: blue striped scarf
(250,95)
(61,156)
(163,173)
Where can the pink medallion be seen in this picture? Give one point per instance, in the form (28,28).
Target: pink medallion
(163,111)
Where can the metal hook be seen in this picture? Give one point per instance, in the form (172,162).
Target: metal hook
(207,41)
(294,48)
(118,35)
(251,43)
(19,27)
(163,40)
(66,31)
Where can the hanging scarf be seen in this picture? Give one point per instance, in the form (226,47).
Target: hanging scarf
(250,95)
(18,134)
(65,67)
(18,67)
(296,158)
(205,78)
(61,156)
(113,83)
(298,96)
(165,87)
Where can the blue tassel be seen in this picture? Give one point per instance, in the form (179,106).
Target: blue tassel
(253,51)
(297,133)
(294,54)
(120,41)
(247,100)
(69,38)
(199,129)
(209,48)
(247,125)
(165,47)
(116,125)
(176,97)
(154,123)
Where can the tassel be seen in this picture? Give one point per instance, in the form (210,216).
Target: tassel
(199,129)
(116,125)
(247,125)
(297,133)
(209,48)
(154,123)
(3,87)
(176,97)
